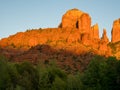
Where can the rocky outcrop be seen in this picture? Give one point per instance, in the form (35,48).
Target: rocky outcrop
(84,23)
(73,34)
(104,49)
(116,31)
(94,36)
(77,19)
(104,37)
(95,32)
(70,18)
(85,38)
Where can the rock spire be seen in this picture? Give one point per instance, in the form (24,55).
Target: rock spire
(116,31)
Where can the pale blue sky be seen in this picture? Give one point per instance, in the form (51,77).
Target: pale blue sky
(20,15)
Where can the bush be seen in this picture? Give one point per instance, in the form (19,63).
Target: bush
(74,82)
(49,77)
(28,77)
(101,74)
(8,75)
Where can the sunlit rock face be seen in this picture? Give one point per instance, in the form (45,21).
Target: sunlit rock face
(95,31)
(84,26)
(76,19)
(84,23)
(74,33)
(104,37)
(116,31)
(104,49)
(70,18)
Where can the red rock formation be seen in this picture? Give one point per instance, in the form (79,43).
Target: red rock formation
(104,37)
(85,39)
(70,18)
(94,36)
(73,34)
(104,49)
(116,31)
(95,32)
(77,19)
(84,23)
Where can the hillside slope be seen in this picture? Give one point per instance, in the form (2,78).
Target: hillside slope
(74,34)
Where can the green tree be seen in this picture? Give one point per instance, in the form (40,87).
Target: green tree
(28,78)
(94,77)
(74,82)
(51,77)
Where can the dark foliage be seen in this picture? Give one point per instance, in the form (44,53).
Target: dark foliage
(101,74)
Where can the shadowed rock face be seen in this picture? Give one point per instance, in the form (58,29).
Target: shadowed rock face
(116,31)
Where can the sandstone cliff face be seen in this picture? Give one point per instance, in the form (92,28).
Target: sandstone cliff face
(104,37)
(116,31)
(76,19)
(94,36)
(95,32)
(73,34)
(69,19)
(84,23)
(104,49)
